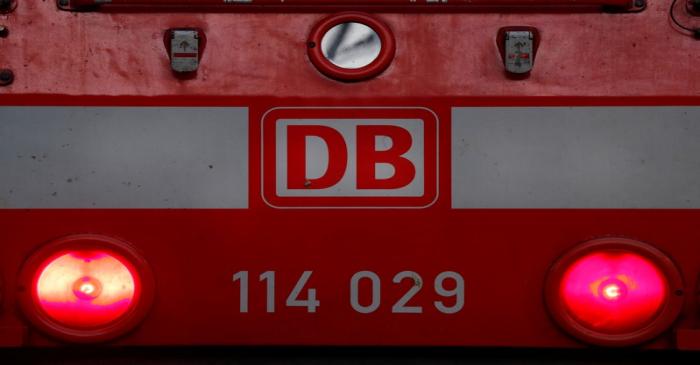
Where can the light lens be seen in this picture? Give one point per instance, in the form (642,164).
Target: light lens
(87,288)
(351,45)
(614,291)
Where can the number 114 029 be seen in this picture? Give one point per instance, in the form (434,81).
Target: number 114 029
(365,292)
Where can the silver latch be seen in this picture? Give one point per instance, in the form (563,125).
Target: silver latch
(519,51)
(184,50)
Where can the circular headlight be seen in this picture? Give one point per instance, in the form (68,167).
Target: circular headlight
(351,46)
(86,288)
(614,292)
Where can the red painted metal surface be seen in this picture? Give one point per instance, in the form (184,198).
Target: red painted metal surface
(194,253)
(260,61)
(437,54)
(399,5)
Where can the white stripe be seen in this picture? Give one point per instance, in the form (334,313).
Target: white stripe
(115,157)
(582,157)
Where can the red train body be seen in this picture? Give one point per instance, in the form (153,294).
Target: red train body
(428,199)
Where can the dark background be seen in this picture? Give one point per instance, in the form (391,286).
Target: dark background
(263,355)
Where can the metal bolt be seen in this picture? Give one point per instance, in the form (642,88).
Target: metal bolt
(640,3)
(6,77)
(4,32)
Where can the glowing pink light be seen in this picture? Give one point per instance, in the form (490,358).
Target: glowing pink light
(86,288)
(614,291)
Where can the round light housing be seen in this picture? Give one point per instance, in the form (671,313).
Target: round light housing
(86,288)
(351,46)
(614,292)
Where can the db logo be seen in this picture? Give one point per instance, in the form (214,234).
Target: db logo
(349,157)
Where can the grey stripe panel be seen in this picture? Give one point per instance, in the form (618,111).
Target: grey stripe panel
(592,157)
(114,157)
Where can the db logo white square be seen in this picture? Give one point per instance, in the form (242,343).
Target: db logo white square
(349,157)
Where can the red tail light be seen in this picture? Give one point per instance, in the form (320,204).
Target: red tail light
(86,288)
(615,292)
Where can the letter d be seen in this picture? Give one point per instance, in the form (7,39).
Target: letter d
(296,156)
